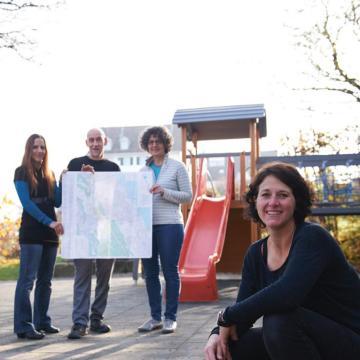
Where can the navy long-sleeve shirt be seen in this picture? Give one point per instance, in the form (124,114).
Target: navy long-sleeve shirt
(38,209)
(315,276)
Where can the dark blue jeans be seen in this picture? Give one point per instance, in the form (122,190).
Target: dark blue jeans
(36,263)
(167,242)
(297,335)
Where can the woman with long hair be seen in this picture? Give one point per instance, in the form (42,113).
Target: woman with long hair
(38,236)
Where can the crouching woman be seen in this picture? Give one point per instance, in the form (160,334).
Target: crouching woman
(296,278)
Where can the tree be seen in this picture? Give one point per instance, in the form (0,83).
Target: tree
(9,228)
(19,24)
(311,141)
(332,45)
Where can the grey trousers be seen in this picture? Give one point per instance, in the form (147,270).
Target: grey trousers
(82,289)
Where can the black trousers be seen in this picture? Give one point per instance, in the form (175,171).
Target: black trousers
(297,335)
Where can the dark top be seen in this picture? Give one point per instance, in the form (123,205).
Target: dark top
(315,276)
(38,209)
(98,165)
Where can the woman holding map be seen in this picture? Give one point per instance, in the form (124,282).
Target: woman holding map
(171,188)
(38,236)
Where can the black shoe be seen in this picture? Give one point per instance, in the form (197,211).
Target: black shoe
(31,335)
(48,329)
(77,331)
(99,327)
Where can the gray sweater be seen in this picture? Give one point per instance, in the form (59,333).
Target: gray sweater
(174,179)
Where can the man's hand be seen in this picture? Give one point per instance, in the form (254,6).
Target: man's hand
(216,349)
(88,168)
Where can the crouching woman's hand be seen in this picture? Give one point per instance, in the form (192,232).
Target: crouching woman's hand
(216,348)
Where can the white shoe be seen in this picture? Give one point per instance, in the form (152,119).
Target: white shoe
(169,326)
(150,325)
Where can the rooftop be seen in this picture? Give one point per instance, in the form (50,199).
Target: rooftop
(224,122)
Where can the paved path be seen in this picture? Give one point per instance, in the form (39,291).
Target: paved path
(127,309)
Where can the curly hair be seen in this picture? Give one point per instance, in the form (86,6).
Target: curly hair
(160,132)
(289,175)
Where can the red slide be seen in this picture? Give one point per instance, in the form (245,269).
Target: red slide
(204,239)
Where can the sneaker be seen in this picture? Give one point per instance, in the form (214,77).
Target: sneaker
(77,331)
(150,325)
(48,329)
(99,327)
(169,326)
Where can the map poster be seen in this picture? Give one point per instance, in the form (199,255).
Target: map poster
(106,215)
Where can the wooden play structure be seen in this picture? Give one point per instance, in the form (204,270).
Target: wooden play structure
(335,181)
(216,233)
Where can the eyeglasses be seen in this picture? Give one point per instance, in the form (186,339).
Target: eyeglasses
(154,142)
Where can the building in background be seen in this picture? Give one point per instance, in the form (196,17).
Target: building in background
(123,146)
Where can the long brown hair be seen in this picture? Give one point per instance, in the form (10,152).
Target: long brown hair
(28,163)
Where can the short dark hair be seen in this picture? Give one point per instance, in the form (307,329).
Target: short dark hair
(161,132)
(290,176)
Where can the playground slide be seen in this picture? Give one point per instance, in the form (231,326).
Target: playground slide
(204,239)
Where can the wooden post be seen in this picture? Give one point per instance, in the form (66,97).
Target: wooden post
(185,207)
(253,150)
(254,232)
(257,140)
(193,173)
(183,144)
(254,155)
(242,174)
(194,139)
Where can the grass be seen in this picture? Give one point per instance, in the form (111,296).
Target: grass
(9,269)
(59,259)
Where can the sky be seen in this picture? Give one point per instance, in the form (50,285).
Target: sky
(135,62)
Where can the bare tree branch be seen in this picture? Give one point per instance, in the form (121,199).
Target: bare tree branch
(335,57)
(353,15)
(14,40)
(345,91)
(15,6)
(311,141)
(322,42)
(16,36)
